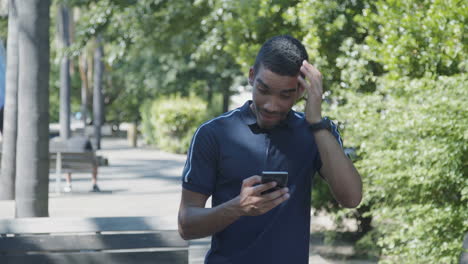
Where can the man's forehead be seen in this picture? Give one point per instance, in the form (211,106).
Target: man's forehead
(271,80)
(262,69)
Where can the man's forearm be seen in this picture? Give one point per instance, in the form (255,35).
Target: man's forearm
(196,222)
(340,173)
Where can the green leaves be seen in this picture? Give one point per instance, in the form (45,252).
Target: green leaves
(383,63)
(170,122)
(414,38)
(414,160)
(394,76)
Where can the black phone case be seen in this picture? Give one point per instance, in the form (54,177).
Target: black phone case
(281,178)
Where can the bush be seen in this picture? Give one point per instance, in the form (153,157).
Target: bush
(169,122)
(413,152)
(367,246)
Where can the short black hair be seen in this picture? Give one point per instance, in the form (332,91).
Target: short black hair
(282,55)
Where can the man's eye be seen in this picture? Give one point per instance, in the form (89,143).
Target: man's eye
(262,91)
(286,96)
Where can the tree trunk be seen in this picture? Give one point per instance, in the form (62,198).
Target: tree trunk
(32,181)
(226,96)
(64,35)
(2,82)
(97,97)
(84,87)
(132,134)
(364,222)
(8,169)
(209,95)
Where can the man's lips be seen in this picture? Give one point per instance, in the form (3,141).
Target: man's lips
(269,117)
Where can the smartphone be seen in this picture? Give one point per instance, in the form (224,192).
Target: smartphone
(280,177)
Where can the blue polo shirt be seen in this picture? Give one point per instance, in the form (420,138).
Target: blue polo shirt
(230,148)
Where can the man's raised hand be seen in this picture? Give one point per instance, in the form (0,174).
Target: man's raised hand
(313,86)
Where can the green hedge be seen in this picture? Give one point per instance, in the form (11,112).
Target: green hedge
(413,151)
(169,122)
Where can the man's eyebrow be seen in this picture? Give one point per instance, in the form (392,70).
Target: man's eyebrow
(262,83)
(268,87)
(289,90)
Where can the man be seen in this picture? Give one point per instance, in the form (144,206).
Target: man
(229,152)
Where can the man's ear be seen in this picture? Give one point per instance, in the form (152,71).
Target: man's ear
(251,76)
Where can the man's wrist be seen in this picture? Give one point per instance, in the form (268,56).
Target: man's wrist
(324,124)
(314,120)
(233,208)
(320,132)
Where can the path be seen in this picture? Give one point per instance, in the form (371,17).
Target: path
(138,182)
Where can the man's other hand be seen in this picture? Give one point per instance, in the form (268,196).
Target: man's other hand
(251,202)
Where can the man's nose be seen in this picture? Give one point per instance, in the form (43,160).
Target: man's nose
(272,106)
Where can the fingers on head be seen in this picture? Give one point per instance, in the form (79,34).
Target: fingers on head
(307,67)
(304,71)
(302,81)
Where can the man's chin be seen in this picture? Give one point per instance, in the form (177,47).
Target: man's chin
(267,122)
(267,125)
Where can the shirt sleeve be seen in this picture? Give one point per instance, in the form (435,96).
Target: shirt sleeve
(199,174)
(337,135)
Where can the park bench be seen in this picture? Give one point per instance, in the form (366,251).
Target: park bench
(72,162)
(73,155)
(117,240)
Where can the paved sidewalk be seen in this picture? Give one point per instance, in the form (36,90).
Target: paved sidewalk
(138,182)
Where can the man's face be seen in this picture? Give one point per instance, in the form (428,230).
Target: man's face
(273,96)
